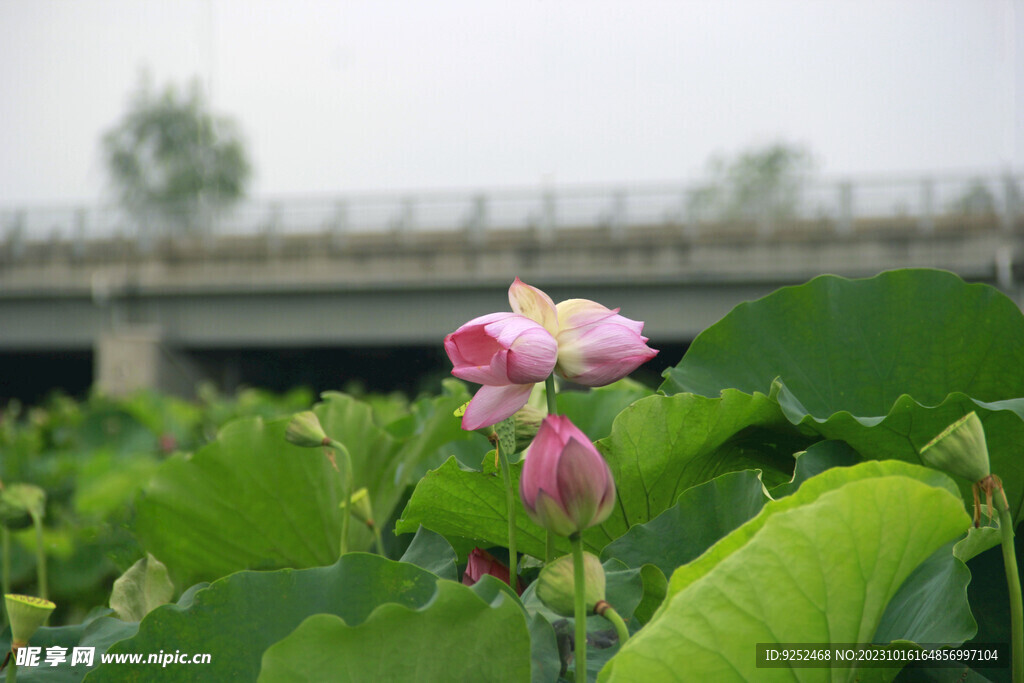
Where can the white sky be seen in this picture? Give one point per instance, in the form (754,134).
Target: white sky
(378,94)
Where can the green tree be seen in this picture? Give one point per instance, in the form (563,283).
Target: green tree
(763,184)
(977,199)
(173,163)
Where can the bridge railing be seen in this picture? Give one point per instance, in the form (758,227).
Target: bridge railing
(914,204)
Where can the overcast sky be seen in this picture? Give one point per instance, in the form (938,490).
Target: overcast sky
(342,96)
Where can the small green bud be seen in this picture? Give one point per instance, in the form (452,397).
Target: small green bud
(361,507)
(960,449)
(26,614)
(555,584)
(527,422)
(304,430)
(19,503)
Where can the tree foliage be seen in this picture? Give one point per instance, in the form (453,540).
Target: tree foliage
(174,164)
(761,184)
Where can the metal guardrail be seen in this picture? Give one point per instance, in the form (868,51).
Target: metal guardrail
(831,206)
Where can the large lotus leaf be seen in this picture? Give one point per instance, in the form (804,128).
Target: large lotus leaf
(594,411)
(252,500)
(238,617)
(701,516)
(98,632)
(820,572)
(662,445)
(883,363)
(247,500)
(858,345)
(811,490)
(457,636)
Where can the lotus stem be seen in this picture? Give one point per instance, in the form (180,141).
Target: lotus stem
(510,503)
(37,522)
(579,585)
(346,460)
(377,539)
(5,585)
(609,613)
(1013,585)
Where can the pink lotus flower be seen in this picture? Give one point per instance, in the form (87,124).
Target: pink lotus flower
(566,485)
(505,352)
(596,345)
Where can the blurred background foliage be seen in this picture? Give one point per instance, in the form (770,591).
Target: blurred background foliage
(92,456)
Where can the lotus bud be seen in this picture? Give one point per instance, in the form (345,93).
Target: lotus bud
(19,503)
(566,485)
(26,614)
(527,423)
(960,449)
(556,581)
(361,507)
(481,563)
(304,430)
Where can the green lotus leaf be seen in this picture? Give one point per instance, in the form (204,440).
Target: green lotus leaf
(251,500)
(884,363)
(818,568)
(236,618)
(701,516)
(457,636)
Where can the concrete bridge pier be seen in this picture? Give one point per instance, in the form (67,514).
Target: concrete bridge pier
(131,358)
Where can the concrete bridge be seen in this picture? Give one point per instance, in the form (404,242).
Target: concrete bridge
(405,270)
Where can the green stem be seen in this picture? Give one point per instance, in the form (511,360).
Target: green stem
(1013,584)
(549,548)
(347,483)
(579,584)
(549,392)
(12,669)
(377,540)
(37,522)
(510,504)
(5,586)
(611,615)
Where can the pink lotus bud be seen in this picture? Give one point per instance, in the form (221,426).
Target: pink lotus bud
(482,562)
(596,345)
(566,485)
(507,353)
(534,304)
